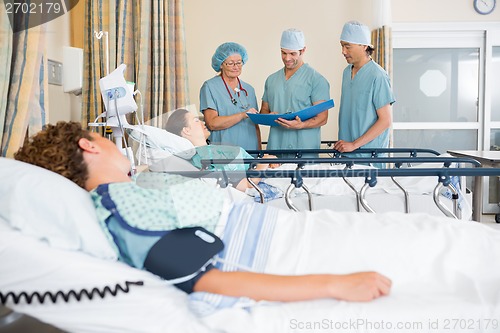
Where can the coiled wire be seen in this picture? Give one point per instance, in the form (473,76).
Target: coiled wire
(66,296)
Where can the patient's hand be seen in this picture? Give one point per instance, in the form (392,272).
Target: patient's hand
(271,165)
(360,287)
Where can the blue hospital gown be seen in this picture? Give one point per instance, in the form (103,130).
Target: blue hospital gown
(300,91)
(232,153)
(157,202)
(163,202)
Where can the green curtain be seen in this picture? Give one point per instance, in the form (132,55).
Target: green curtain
(147,36)
(23,83)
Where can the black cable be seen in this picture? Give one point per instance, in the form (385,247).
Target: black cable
(66,296)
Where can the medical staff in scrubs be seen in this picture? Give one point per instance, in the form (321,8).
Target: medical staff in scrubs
(293,88)
(225,100)
(366,101)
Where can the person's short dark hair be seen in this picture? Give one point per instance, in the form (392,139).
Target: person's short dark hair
(370,50)
(177,121)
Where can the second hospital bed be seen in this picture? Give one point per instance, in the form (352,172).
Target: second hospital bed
(332,192)
(347,184)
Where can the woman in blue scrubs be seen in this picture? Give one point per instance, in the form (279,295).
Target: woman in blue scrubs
(225,100)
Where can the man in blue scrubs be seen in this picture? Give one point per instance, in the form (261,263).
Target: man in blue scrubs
(293,88)
(366,101)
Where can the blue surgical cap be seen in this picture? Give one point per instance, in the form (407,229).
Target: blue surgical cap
(356,33)
(292,39)
(225,50)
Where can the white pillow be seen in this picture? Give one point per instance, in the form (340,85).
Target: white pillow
(164,140)
(49,207)
(30,265)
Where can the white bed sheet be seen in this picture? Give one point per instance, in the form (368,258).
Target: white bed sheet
(445,272)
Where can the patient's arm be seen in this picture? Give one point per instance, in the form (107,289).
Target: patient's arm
(215,122)
(364,286)
(244,183)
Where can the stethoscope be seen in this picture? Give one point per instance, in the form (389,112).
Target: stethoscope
(237,90)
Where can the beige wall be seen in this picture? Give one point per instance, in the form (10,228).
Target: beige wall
(439,11)
(258,24)
(62,106)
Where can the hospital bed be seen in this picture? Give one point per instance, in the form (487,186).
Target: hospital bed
(346,183)
(158,146)
(445,272)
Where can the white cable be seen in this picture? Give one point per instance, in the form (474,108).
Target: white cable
(141,105)
(232,264)
(122,130)
(100,116)
(142,142)
(143,137)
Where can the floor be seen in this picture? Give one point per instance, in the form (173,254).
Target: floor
(489,220)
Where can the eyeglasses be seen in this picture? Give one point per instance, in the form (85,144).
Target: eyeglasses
(232,64)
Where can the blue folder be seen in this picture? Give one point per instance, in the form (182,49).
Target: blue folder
(307,113)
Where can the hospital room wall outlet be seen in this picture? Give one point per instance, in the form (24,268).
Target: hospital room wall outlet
(55,72)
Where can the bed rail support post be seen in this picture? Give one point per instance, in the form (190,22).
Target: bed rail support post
(406,195)
(297,182)
(370,181)
(257,188)
(288,201)
(438,202)
(351,186)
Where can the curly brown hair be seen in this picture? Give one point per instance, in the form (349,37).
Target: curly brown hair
(56,148)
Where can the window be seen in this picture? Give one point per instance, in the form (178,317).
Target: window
(445,79)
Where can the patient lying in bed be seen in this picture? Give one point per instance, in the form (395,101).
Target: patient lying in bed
(183,147)
(429,261)
(163,205)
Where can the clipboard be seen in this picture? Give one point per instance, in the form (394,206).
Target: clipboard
(307,113)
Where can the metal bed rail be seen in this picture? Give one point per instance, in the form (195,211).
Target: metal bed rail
(373,152)
(349,162)
(399,161)
(297,175)
(371,175)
